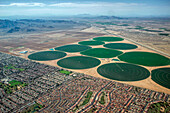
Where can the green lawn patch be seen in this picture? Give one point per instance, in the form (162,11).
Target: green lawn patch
(15,83)
(123,72)
(87,98)
(72,48)
(12,67)
(78,62)
(101,52)
(102,100)
(92,43)
(161,76)
(47,55)
(21,69)
(145,58)
(108,39)
(65,72)
(160,107)
(122,46)
(12,86)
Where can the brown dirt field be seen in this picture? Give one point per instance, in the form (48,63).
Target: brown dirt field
(45,40)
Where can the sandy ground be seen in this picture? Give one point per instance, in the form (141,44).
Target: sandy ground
(146,83)
(38,42)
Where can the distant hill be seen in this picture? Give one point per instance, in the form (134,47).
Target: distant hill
(110,17)
(35,25)
(105,17)
(42,21)
(16,29)
(9,23)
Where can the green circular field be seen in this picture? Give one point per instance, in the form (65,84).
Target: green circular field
(78,62)
(161,76)
(92,43)
(101,52)
(145,58)
(123,46)
(108,39)
(73,48)
(123,72)
(47,55)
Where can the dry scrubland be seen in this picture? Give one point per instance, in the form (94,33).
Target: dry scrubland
(43,41)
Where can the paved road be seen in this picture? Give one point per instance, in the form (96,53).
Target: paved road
(29,104)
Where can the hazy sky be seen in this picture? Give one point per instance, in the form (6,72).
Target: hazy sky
(93,7)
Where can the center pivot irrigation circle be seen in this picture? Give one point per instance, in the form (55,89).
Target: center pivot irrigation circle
(108,39)
(161,76)
(92,43)
(123,72)
(78,62)
(122,46)
(47,55)
(145,58)
(101,52)
(73,48)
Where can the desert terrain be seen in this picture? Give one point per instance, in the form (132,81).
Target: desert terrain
(150,41)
